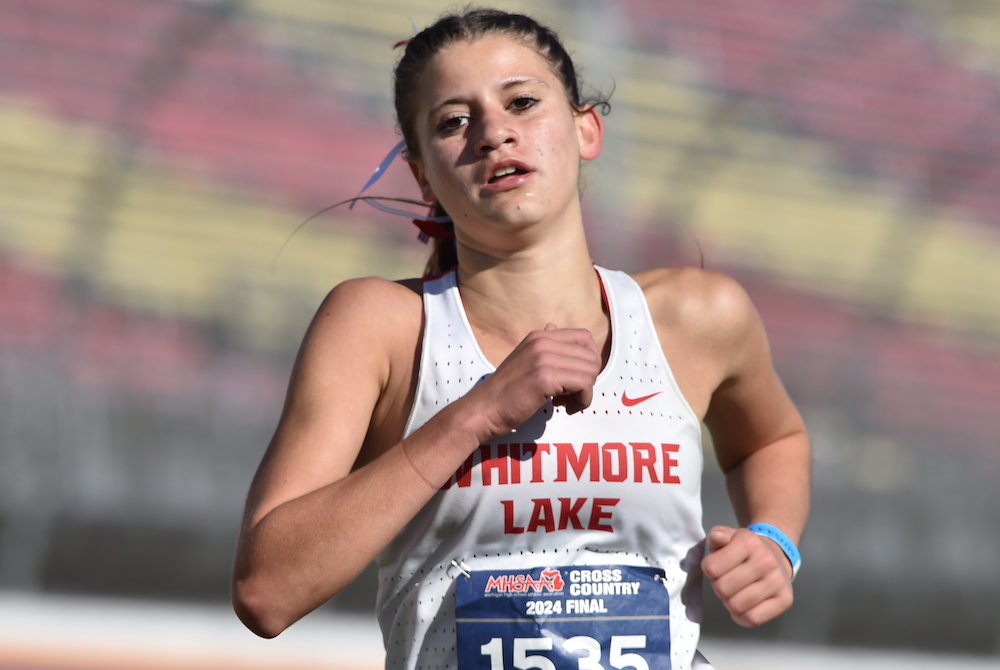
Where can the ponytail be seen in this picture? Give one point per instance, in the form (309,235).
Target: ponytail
(444,253)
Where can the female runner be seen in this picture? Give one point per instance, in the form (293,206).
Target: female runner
(517,440)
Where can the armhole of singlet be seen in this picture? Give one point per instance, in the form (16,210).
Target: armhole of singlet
(460,309)
(613,351)
(418,391)
(666,364)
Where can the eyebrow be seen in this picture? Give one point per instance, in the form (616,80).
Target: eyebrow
(524,80)
(509,84)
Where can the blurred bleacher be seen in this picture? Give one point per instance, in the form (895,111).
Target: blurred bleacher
(841,158)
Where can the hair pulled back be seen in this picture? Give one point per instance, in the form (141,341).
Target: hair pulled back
(470,25)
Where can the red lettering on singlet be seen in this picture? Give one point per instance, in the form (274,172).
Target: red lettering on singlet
(489,464)
(606,462)
(597,513)
(542,515)
(536,460)
(508,519)
(647,462)
(515,463)
(543,518)
(569,513)
(501,465)
(669,463)
(587,457)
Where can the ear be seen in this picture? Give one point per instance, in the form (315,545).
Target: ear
(590,130)
(417,168)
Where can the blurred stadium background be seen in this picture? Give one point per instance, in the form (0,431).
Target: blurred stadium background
(841,158)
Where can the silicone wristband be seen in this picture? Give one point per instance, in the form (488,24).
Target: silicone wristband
(787,546)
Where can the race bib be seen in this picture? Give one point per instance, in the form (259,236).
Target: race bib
(563,618)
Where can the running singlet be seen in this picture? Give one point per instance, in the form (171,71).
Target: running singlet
(617,485)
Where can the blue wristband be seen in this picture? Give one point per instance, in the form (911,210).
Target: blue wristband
(787,546)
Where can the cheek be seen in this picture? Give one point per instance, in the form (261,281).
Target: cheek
(562,138)
(441,172)
(558,148)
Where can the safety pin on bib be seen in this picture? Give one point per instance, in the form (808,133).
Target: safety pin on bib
(461,567)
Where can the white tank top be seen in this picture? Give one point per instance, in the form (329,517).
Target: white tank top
(633,458)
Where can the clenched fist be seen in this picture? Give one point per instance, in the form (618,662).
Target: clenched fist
(750,573)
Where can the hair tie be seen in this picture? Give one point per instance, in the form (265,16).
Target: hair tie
(429,229)
(416,31)
(430,226)
(380,170)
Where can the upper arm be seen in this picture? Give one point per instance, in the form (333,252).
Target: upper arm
(749,409)
(341,373)
(717,348)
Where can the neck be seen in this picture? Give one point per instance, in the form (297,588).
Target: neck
(507,296)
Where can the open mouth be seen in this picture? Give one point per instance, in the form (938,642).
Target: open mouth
(504,172)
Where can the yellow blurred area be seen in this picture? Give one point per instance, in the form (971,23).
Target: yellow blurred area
(365,33)
(971,26)
(43,165)
(832,237)
(379,16)
(173,242)
(385,18)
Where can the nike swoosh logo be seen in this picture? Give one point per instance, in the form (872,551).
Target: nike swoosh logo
(629,402)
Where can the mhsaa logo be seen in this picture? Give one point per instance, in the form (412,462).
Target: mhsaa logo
(550,580)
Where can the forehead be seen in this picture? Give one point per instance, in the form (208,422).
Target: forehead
(487,63)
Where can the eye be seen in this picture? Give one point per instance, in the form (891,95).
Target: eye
(453,123)
(523,102)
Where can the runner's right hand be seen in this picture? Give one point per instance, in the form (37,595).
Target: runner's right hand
(557,363)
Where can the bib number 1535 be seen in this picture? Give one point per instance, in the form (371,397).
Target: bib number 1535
(590,660)
(595,617)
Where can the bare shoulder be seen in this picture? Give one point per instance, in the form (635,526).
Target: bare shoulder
(701,303)
(359,294)
(378,306)
(708,328)
(364,331)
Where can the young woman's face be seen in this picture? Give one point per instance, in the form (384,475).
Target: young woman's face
(500,146)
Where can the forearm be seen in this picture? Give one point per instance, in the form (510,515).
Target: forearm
(304,551)
(751,573)
(771,485)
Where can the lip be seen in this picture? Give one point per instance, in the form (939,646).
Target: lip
(510,181)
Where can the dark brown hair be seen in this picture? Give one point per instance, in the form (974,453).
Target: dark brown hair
(470,25)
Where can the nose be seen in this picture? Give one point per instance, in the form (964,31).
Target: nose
(495,131)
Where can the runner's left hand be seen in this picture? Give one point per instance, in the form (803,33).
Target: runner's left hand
(750,573)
